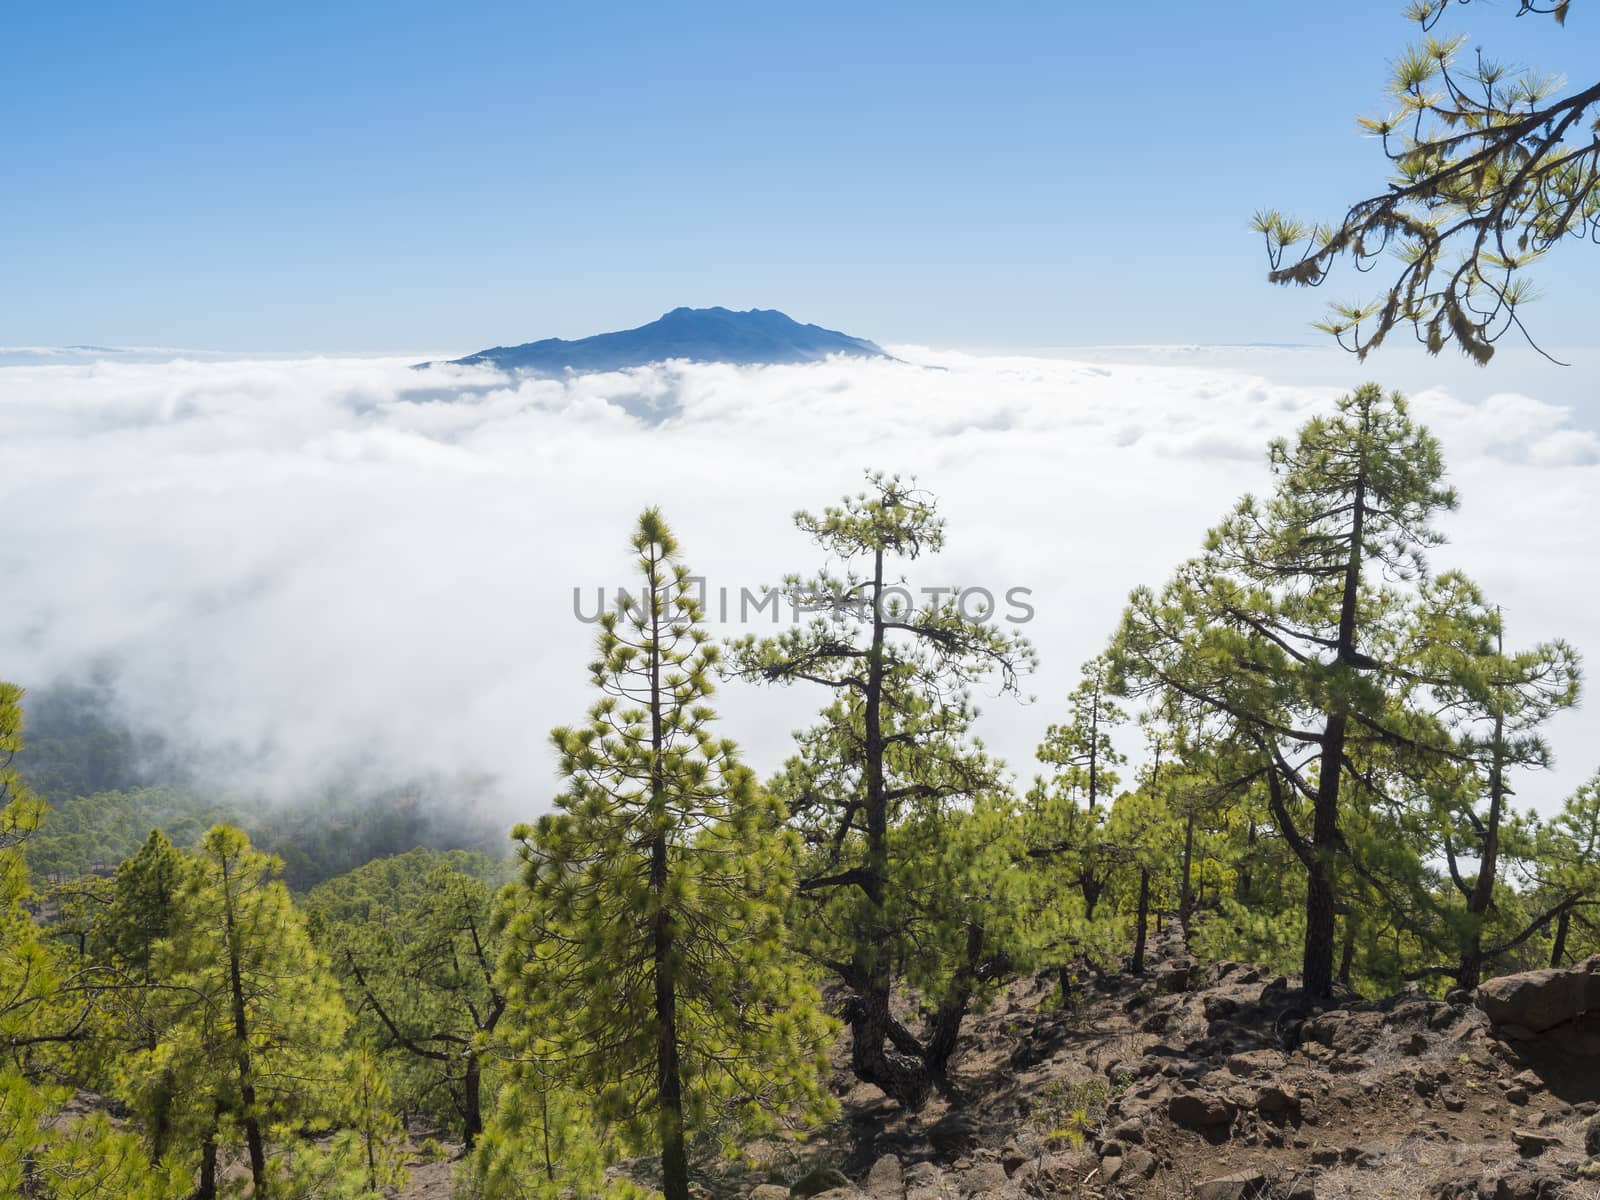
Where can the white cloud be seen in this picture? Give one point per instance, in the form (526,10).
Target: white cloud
(316,561)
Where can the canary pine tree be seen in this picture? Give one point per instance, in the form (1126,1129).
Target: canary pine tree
(373,1138)
(26,968)
(891,759)
(1498,704)
(962,910)
(250,1018)
(1492,167)
(1153,834)
(412,938)
(124,941)
(1288,628)
(1568,871)
(645,964)
(1073,805)
(138,914)
(42,1008)
(540,1143)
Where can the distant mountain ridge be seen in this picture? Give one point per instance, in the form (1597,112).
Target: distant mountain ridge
(754,337)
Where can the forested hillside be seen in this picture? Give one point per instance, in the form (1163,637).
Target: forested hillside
(109,785)
(1313,746)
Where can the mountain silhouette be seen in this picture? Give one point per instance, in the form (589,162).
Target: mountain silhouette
(758,336)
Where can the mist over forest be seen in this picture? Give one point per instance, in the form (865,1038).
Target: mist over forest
(1090,700)
(282,579)
(1142,666)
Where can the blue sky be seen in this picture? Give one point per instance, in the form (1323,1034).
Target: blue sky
(408,177)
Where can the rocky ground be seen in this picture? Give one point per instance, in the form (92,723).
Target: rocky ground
(1209,1082)
(1215,1082)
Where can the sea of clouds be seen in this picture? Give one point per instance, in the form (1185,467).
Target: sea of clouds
(301,567)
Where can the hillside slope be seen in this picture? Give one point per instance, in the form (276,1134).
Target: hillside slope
(1214,1081)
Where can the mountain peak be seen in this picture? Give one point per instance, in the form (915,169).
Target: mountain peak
(756,336)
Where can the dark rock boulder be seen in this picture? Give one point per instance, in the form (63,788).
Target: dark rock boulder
(1276,1103)
(981,1179)
(1531,1144)
(819,1180)
(1504,1184)
(1174,978)
(1139,1164)
(954,1135)
(1539,1000)
(1242,1185)
(886,1179)
(1201,1112)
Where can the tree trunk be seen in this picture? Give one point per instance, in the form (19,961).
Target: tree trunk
(944,1030)
(472,1102)
(1247,868)
(1094,745)
(669,1079)
(1317,963)
(1347,956)
(207,1189)
(544,1128)
(1186,885)
(249,1118)
(1143,920)
(372,1157)
(160,1126)
(901,1076)
(674,1155)
(1092,887)
(1469,972)
(1558,948)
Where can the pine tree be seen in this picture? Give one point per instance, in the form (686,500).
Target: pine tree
(139,913)
(47,1156)
(123,943)
(541,1142)
(413,937)
(1072,806)
(1492,168)
(250,1016)
(645,963)
(1284,626)
(892,755)
(25,967)
(1565,876)
(20,810)
(42,1009)
(1154,833)
(374,1137)
(1498,703)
